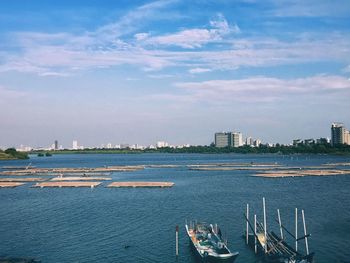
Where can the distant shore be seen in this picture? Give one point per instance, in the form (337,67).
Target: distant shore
(263,149)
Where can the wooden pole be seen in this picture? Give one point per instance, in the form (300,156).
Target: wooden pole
(247,231)
(265,232)
(296,229)
(280,222)
(306,242)
(177,240)
(255,247)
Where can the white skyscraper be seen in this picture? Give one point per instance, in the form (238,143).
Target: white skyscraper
(75,145)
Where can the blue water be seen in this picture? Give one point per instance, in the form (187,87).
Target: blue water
(94,225)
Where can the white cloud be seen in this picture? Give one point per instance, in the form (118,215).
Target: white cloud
(199,70)
(264,88)
(196,37)
(141,36)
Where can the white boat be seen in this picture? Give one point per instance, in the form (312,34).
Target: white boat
(208,244)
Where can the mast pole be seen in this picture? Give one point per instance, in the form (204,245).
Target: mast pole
(280,222)
(177,240)
(306,242)
(255,247)
(296,229)
(265,232)
(247,232)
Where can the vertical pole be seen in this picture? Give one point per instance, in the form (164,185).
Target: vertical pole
(255,247)
(280,222)
(177,240)
(306,243)
(296,229)
(247,232)
(265,232)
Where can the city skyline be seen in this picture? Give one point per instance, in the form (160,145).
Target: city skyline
(171,70)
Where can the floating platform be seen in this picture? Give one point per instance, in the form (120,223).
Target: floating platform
(75,178)
(10,184)
(27,179)
(81,170)
(300,173)
(141,184)
(67,184)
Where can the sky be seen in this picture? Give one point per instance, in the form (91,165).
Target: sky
(172,70)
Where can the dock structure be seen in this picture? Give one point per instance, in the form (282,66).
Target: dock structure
(10,184)
(81,170)
(141,184)
(67,184)
(75,178)
(26,179)
(302,172)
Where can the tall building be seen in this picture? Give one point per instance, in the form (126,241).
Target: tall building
(339,133)
(232,139)
(75,145)
(222,139)
(56,145)
(237,139)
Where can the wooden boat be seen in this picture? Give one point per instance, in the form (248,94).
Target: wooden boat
(273,248)
(208,244)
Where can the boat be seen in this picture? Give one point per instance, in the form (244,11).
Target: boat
(208,243)
(273,248)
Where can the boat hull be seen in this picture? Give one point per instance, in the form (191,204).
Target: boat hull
(205,257)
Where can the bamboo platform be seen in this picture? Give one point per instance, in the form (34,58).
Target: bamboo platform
(10,184)
(26,179)
(81,170)
(74,178)
(67,184)
(300,173)
(141,184)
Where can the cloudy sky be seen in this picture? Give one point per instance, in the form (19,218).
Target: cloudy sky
(175,70)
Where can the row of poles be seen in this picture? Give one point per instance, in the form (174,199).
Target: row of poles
(265,230)
(280,226)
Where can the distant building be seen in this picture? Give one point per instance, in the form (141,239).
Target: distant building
(222,139)
(231,139)
(323,141)
(257,142)
(249,141)
(297,142)
(162,144)
(56,145)
(75,145)
(309,141)
(340,135)
(109,146)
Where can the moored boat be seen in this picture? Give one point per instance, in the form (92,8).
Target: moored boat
(208,244)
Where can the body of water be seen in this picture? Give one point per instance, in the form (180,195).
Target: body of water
(94,225)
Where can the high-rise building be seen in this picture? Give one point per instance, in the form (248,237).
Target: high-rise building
(222,139)
(339,133)
(232,139)
(75,145)
(56,145)
(237,139)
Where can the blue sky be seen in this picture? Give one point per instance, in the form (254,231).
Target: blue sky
(144,71)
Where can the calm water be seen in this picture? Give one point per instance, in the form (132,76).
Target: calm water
(94,225)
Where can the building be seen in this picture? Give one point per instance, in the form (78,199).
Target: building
(162,144)
(222,139)
(297,142)
(340,135)
(75,145)
(257,142)
(231,139)
(56,145)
